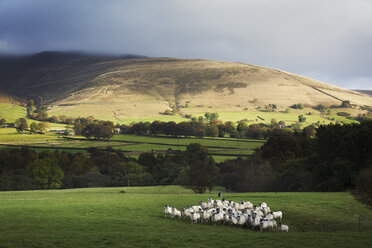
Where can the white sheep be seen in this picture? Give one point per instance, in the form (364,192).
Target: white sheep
(233,220)
(255,222)
(187,213)
(206,215)
(263,205)
(204,205)
(278,214)
(264,225)
(242,220)
(195,217)
(266,210)
(283,228)
(196,208)
(269,216)
(217,218)
(226,218)
(167,210)
(273,225)
(175,213)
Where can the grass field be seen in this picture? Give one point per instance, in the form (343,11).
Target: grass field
(221,148)
(105,217)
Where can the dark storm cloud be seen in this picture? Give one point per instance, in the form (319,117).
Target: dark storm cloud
(327,40)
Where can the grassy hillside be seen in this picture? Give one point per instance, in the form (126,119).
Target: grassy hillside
(106,217)
(118,89)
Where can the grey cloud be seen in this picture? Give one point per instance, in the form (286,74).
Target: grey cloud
(328,40)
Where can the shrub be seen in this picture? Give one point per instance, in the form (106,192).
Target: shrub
(345,114)
(301,118)
(297,106)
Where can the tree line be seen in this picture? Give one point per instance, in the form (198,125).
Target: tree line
(335,158)
(213,128)
(24,169)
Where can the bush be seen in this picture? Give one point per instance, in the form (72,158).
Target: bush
(345,114)
(297,106)
(301,118)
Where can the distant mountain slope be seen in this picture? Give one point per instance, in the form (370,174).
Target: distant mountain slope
(78,84)
(367,92)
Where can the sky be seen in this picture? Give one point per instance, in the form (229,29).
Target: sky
(328,40)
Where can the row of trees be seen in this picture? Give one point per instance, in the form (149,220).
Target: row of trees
(21,125)
(22,169)
(94,129)
(200,129)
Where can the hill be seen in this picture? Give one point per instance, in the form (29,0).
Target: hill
(115,87)
(367,92)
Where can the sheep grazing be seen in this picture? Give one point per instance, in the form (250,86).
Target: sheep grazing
(233,221)
(206,215)
(277,215)
(266,210)
(217,218)
(167,210)
(283,228)
(175,213)
(187,213)
(264,225)
(204,205)
(255,221)
(196,208)
(269,217)
(240,214)
(263,205)
(195,217)
(273,225)
(242,220)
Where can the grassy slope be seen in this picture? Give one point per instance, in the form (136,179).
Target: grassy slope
(104,217)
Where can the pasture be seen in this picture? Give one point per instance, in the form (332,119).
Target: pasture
(220,148)
(134,217)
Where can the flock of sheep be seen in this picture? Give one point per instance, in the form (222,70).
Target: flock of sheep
(243,214)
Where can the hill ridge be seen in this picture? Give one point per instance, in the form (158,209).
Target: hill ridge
(149,86)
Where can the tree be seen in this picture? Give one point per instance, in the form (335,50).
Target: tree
(322,108)
(211,116)
(78,127)
(33,127)
(242,126)
(301,118)
(47,173)
(99,130)
(211,130)
(132,172)
(2,122)
(21,125)
(309,132)
(297,106)
(199,173)
(43,126)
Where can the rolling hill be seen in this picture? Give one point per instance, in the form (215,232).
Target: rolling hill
(133,86)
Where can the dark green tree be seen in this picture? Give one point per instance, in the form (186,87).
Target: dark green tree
(33,127)
(21,125)
(2,122)
(200,171)
(47,173)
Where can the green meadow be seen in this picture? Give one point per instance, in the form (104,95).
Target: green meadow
(134,217)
